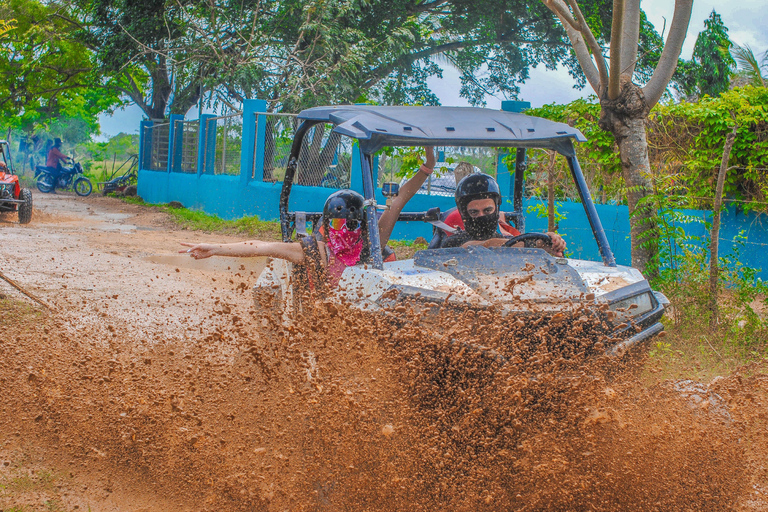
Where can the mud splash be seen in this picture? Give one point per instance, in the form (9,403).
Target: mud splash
(352,411)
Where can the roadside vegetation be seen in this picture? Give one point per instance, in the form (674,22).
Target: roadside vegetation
(194,220)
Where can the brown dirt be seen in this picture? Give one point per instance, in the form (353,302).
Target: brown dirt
(155,385)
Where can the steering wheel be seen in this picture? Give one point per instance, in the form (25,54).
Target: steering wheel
(529,240)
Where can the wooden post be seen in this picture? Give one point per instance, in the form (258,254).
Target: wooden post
(713,243)
(551,193)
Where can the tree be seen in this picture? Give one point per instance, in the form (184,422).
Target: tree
(134,43)
(710,70)
(712,53)
(298,53)
(624,104)
(751,70)
(47,75)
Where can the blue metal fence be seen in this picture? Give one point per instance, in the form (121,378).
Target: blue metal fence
(246,194)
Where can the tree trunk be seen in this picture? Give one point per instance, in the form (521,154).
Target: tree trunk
(714,269)
(635,168)
(625,119)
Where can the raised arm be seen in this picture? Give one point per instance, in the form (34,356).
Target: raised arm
(287,251)
(407,191)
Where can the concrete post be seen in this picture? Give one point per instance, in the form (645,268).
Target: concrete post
(203,144)
(248,157)
(503,173)
(175,133)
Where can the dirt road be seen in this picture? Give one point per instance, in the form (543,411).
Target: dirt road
(154,385)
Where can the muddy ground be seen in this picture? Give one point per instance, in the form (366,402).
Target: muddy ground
(152,383)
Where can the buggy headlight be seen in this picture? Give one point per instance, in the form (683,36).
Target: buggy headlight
(634,306)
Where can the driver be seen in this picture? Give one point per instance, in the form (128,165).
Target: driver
(479,220)
(55,156)
(343,237)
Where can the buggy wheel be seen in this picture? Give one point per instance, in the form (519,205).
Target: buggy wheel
(25,208)
(46,182)
(83,187)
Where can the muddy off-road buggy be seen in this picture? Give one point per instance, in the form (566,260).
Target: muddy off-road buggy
(13,198)
(476,277)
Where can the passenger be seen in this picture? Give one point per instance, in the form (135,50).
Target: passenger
(479,219)
(55,156)
(344,239)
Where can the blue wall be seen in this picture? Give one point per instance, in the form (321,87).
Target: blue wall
(232,197)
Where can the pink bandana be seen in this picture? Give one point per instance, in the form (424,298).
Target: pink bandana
(346,245)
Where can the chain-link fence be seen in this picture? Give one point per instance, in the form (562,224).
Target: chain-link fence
(325,159)
(229,142)
(278,137)
(400,164)
(189,144)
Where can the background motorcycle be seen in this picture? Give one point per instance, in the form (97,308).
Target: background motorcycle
(49,179)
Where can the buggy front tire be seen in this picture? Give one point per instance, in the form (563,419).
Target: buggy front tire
(25,208)
(83,187)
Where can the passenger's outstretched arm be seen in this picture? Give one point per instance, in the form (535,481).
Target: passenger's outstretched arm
(407,191)
(286,251)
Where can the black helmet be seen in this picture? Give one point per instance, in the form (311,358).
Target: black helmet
(57,142)
(344,204)
(478,186)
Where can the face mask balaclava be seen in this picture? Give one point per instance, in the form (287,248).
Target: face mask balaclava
(346,245)
(480,228)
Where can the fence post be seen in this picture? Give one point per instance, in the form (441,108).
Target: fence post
(503,173)
(174,142)
(249,144)
(203,143)
(145,144)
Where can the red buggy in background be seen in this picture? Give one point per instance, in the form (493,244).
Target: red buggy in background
(12,196)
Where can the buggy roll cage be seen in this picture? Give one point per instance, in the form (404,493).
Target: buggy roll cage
(5,151)
(376,127)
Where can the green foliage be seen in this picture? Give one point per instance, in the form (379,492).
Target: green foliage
(709,72)
(47,74)
(599,157)
(713,55)
(685,145)
(751,69)
(681,271)
(542,211)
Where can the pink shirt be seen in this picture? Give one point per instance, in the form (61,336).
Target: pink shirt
(54,155)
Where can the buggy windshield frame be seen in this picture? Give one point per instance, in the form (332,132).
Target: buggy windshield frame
(376,127)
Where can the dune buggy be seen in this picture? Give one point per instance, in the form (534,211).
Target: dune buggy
(12,196)
(476,277)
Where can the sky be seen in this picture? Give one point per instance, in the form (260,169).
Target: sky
(746,21)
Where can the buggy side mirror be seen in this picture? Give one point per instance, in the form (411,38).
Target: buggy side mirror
(390,189)
(432,215)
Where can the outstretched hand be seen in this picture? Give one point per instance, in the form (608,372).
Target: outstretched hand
(430,157)
(199,251)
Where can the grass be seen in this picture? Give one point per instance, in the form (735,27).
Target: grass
(405,249)
(194,220)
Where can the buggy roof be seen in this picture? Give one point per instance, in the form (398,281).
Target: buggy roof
(376,127)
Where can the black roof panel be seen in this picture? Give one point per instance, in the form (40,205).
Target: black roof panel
(376,127)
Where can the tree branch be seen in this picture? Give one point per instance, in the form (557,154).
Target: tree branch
(584,57)
(630,36)
(589,37)
(671,53)
(617,33)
